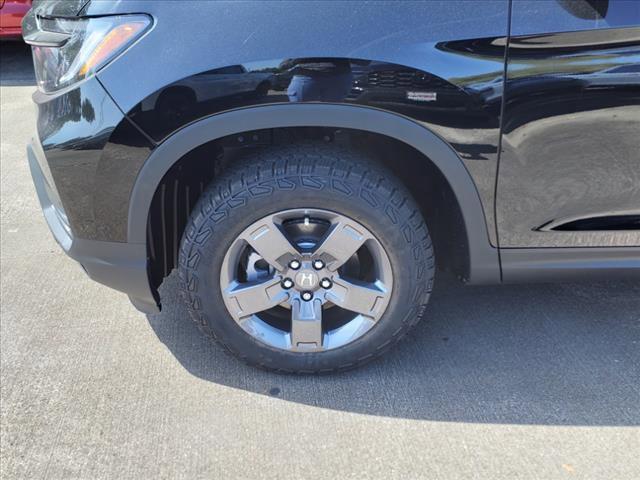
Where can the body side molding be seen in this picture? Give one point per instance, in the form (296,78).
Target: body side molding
(569,264)
(484,265)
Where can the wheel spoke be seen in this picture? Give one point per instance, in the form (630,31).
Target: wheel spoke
(270,243)
(249,299)
(365,299)
(306,325)
(343,240)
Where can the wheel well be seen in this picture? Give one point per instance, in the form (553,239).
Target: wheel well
(183,184)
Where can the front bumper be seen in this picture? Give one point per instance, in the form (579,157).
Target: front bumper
(119,265)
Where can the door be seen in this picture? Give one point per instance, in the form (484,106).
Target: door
(569,172)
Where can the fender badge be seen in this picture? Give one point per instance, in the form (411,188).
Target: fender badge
(422,96)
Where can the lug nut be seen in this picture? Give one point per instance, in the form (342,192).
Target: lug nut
(326,283)
(318,264)
(287,283)
(294,264)
(306,296)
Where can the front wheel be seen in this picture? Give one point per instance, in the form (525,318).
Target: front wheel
(306,259)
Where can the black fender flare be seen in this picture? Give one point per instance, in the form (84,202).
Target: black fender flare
(484,265)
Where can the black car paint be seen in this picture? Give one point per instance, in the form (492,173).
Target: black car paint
(423,61)
(570,138)
(461,77)
(90,148)
(449,109)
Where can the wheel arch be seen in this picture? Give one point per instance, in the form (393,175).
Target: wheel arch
(483,258)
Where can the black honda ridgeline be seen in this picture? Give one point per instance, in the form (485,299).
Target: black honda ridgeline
(306,167)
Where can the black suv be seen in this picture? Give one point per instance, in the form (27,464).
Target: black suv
(307,166)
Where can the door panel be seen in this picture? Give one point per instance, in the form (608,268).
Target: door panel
(570,161)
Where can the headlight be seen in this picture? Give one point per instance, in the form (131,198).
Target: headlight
(66,50)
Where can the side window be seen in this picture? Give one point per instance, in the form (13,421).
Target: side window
(545,16)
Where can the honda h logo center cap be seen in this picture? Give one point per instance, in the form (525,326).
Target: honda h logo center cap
(306,280)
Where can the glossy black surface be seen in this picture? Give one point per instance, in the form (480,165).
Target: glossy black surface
(571,143)
(93,154)
(459,57)
(532,17)
(464,110)
(469,103)
(423,66)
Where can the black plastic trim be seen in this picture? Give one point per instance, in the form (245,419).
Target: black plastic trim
(484,264)
(527,265)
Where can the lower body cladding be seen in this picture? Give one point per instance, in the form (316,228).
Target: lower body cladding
(521,265)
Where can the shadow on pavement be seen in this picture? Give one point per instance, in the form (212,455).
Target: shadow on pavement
(16,65)
(534,354)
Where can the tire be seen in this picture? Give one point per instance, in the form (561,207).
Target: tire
(306,176)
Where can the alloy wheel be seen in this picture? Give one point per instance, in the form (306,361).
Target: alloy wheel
(306,280)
